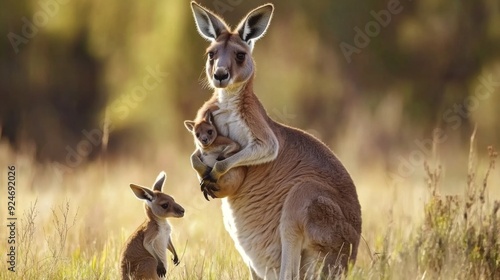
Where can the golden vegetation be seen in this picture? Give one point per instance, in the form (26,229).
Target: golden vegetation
(75,227)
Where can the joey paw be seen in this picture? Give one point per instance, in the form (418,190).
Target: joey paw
(176,260)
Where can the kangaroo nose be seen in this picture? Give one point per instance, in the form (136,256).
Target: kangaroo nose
(221,74)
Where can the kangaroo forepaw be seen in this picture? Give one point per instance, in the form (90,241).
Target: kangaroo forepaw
(208,188)
(176,260)
(207,173)
(160,270)
(207,179)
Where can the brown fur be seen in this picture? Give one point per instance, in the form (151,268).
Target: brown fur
(297,208)
(213,147)
(144,255)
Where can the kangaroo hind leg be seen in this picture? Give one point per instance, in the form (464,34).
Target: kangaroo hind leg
(292,232)
(333,241)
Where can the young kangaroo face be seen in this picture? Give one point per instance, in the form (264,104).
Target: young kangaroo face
(162,205)
(229,60)
(203,131)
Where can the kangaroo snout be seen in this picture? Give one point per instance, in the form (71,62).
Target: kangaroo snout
(221,74)
(179,211)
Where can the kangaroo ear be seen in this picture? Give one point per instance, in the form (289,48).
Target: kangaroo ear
(211,118)
(142,192)
(208,117)
(208,24)
(159,182)
(189,125)
(255,24)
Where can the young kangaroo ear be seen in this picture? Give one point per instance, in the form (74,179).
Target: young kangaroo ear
(189,125)
(211,118)
(208,117)
(142,192)
(159,182)
(208,24)
(255,24)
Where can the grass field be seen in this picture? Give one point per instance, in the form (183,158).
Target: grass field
(73,224)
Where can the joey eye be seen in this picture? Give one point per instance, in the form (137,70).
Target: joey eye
(240,56)
(164,205)
(209,132)
(197,134)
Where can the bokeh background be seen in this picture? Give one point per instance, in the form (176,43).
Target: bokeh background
(93,95)
(69,66)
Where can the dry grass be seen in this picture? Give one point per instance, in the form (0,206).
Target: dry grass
(73,225)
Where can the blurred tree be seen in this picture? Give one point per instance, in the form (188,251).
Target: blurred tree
(326,62)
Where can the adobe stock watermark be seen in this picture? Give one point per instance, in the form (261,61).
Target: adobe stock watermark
(452,118)
(47,10)
(282,116)
(285,117)
(121,107)
(223,6)
(362,37)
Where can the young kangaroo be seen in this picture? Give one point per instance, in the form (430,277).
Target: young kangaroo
(297,205)
(144,256)
(213,147)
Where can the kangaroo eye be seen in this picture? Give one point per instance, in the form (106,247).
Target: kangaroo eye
(211,55)
(164,205)
(240,57)
(209,132)
(197,134)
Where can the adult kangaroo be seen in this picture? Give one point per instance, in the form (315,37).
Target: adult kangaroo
(296,213)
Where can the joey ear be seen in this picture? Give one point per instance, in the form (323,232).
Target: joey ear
(189,125)
(208,117)
(160,181)
(211,119)
(142,192)
(255,24)
(209,25)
